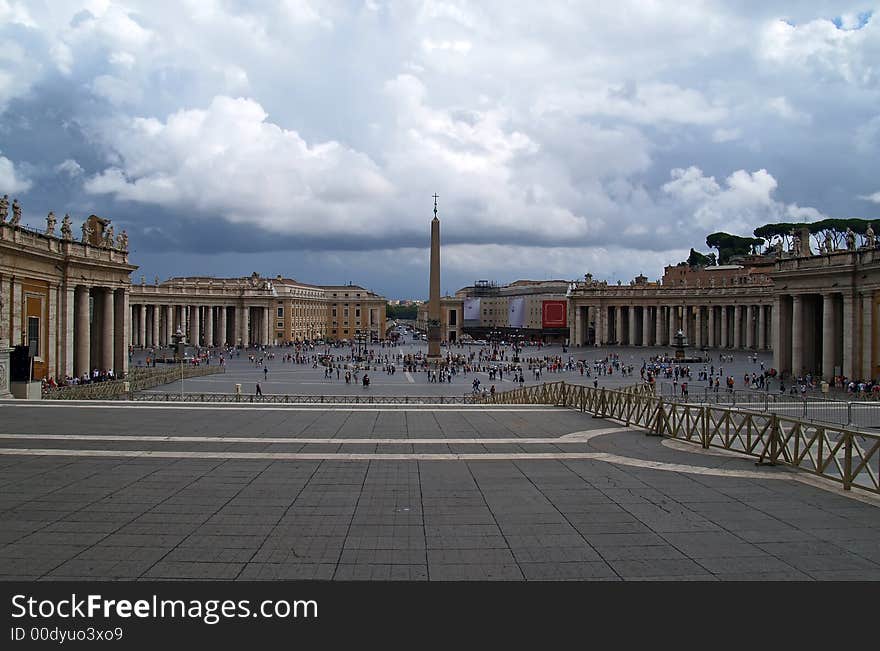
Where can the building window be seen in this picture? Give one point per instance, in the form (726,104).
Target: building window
(334,312)
(280,312)
(453,317)
(357,312)
(34,335)
(280,324)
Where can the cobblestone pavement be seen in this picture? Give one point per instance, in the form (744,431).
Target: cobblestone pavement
(302,379)
(135,491)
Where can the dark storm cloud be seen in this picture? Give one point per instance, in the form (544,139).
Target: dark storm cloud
(304,133)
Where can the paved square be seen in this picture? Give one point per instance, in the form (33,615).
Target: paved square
(139,491)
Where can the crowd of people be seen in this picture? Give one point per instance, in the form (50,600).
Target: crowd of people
(349,363)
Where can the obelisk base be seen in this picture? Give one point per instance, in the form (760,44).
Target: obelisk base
(434,355)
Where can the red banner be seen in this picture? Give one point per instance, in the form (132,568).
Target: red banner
(553,314)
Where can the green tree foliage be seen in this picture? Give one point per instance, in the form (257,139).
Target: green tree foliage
(401,311)
(697,259)
(835,228)
(730,245)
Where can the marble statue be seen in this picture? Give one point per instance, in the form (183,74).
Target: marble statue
(50,223)
(4,207)
(829,242)
(850,240)
(122,241)
(66,232)
(16,213)
(796,244)
(86,232)
(870,239)
(109,240)
(156,280)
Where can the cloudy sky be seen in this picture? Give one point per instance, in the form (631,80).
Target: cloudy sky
(306,137)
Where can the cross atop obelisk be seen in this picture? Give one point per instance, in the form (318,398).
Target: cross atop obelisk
(434,295)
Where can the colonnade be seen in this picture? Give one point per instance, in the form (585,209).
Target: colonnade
(98,336)
(827,334)
(742,326)
(203,325)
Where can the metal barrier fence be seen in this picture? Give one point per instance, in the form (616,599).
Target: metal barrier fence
(270,398)
(859,413)
(841,453)
(137,379)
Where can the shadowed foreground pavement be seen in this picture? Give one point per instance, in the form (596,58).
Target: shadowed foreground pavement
(439,493)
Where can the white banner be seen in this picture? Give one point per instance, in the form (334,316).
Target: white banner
(472,309)
(516,312)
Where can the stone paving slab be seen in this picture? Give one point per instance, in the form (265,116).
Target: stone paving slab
(73,517)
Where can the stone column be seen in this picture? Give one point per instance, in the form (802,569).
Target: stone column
(797,344)
(68,325)
(578,326)
(121,328)
(849,343)
(169,324)
(107,319)
(82,334)
(762,326)
(776,336)
(221,325)
(194,325)
(618,324)
(724,340)
(156,318)
(658,325)
(646,326)
(710,339)
(209,326)
(829,336)
(673,326)
(606,325)
(867,336)
(698,334)
(632,326)
(142,325)
(244,325)
(750,327)
(737,326)
(265,329)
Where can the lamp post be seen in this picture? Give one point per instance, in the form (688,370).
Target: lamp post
(359,338)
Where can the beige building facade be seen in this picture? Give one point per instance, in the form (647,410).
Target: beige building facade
(65,298)
(251,311)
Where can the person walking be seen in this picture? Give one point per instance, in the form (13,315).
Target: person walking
(259,391)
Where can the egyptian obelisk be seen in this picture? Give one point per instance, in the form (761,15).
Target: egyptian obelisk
(434,295)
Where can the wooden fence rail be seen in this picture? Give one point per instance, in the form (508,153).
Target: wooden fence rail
(841,453)
(138,379)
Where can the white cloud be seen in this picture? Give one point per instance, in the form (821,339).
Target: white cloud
(742,203)
(12,181)
(15,12)
(875,198)
(726,135)
(783,108)
(70,167)
(230,161)
(819,45)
